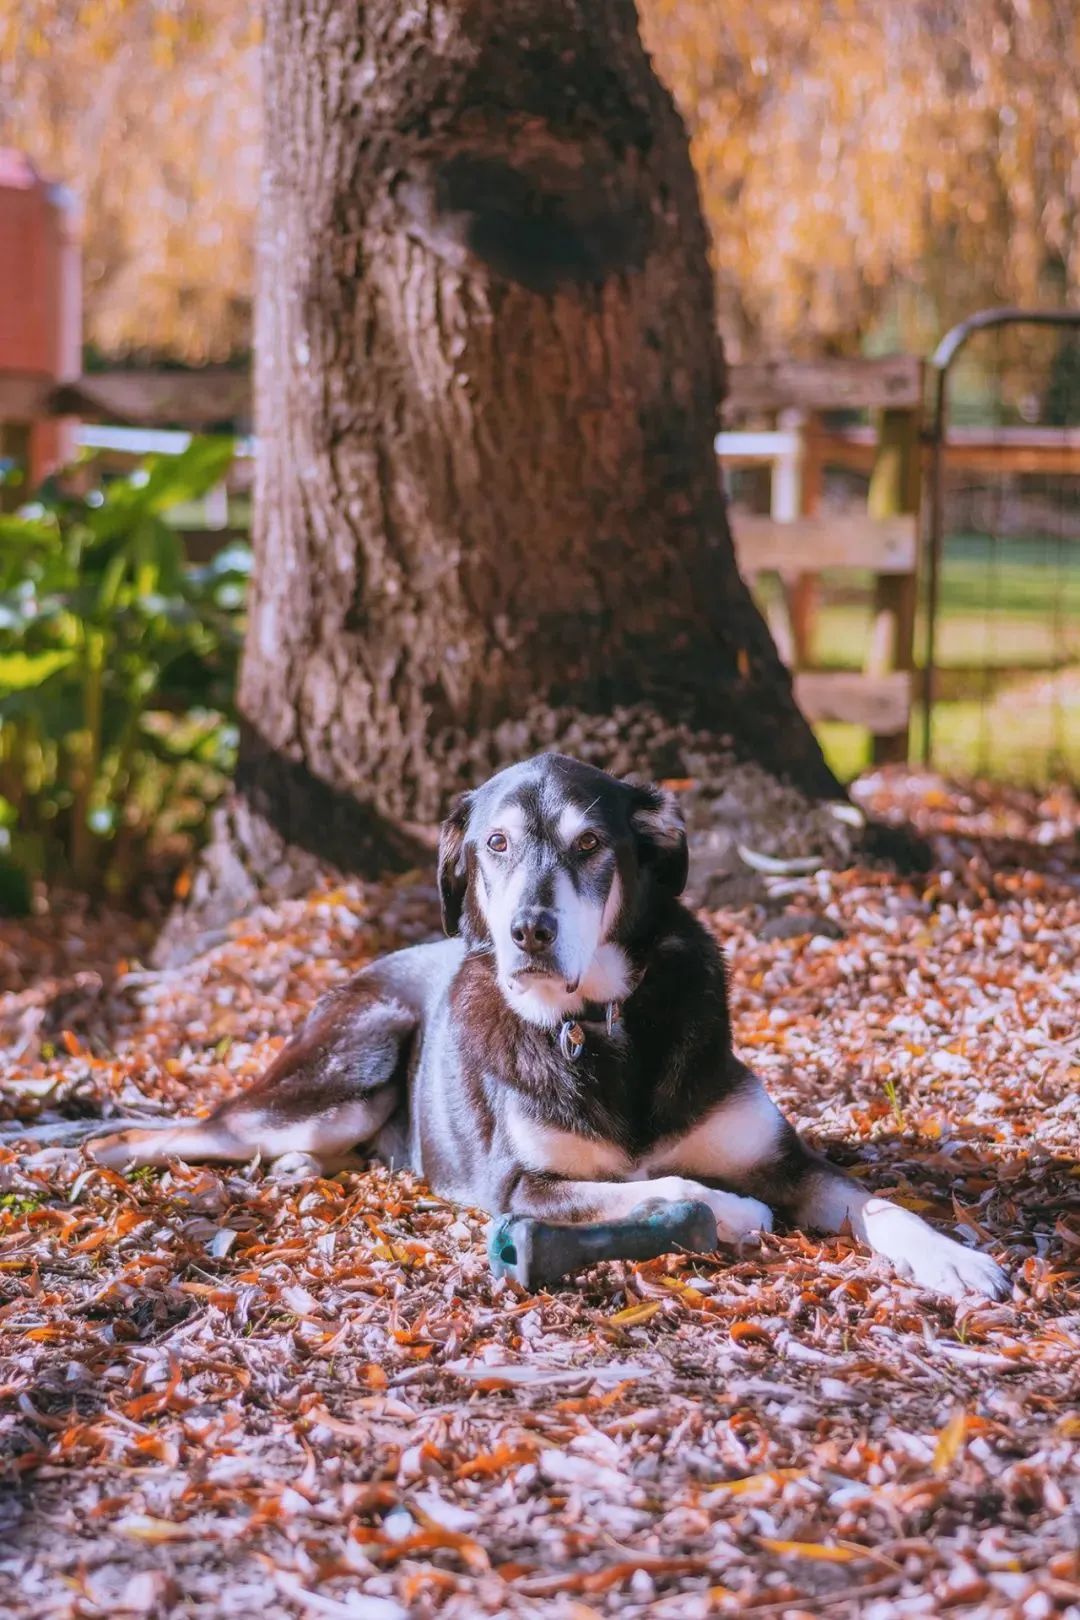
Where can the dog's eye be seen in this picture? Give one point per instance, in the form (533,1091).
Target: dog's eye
(586,843)
(497,842)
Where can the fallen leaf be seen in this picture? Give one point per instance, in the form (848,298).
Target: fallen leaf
(819,1551)
(950,1442)
(144,1527)
(632,1315)
(756,1482)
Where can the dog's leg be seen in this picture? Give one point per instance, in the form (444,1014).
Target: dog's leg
(825,1200)
(749,1145)
(561,1199)
(329,1091)
(197,1140)
(237,1131)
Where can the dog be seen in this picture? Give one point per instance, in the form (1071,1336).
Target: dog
(566,1052)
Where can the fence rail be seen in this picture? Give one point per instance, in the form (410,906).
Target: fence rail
(222,394)
(894,382)
(1004,450)
(214,396)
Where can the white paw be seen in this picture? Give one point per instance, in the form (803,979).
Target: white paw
(295,1167)
(738,1219)
(948,1268)
(927,1257)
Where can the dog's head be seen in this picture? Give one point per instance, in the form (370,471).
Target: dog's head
(553,865)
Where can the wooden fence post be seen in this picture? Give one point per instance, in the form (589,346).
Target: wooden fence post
(804,591)
(894,490)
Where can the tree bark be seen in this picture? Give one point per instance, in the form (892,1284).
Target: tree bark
(488,513)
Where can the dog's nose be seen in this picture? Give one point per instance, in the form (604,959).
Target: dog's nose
(533,931)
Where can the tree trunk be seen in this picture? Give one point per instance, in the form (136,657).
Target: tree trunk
(488,514)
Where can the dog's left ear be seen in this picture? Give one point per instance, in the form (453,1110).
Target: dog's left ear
(661,833)
(453,877)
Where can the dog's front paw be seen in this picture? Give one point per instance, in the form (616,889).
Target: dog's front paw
(928,1258)
(948,1268)
(738,1220)
(295,1167)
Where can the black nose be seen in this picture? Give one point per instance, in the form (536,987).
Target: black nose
(534,930)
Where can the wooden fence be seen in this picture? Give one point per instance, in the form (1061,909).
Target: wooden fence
(797,542)
(793,540)
(779,418)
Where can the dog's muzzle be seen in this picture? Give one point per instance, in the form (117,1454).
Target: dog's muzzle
(534,930)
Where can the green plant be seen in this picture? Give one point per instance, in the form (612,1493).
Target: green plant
(893,1096)
(117,667)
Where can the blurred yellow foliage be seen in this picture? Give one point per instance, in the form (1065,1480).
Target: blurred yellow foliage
(872,160)
(869,168)
(149,111)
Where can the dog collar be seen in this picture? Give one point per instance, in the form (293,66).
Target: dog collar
(572,1031)
(608,1013)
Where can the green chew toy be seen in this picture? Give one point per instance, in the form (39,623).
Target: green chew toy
(536,1252)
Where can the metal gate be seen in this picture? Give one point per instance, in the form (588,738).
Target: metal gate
(1001,686)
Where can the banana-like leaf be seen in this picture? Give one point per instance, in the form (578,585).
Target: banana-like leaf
(164,481)
(22,671)
(27,533)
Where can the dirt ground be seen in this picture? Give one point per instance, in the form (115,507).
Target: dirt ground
(230,1395)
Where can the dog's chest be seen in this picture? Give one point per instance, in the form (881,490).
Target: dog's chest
(732,1137)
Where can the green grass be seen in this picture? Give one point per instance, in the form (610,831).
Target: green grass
(1013,747)
(993,609)
(1015,610)
(1003,637)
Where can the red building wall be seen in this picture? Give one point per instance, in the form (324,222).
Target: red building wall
(40,292)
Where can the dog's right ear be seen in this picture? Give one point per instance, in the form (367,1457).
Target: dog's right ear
(453,876)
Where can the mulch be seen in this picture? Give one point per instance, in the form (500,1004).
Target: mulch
(230,1394)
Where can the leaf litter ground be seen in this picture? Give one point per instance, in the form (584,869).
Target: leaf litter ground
(226,1394)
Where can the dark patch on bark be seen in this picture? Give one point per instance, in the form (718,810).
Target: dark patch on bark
(540,235)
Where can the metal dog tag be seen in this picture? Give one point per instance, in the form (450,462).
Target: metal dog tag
(571,1041)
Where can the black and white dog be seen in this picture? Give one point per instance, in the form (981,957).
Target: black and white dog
(565,1053)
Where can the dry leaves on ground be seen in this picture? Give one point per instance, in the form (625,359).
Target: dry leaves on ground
(229,1395)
